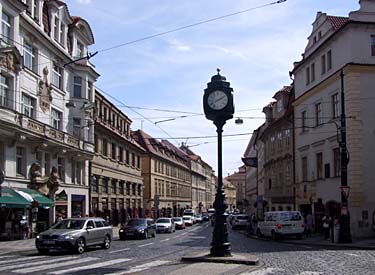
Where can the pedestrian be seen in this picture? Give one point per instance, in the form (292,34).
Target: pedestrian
(309,225)
(326,225)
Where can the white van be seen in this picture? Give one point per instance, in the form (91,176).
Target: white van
(281,223)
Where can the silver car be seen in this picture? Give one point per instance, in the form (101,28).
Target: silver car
(75,234)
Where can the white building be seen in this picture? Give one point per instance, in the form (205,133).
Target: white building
(46,100)
(337,44)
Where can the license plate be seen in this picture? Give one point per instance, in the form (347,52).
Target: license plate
(130,233)
(49,242)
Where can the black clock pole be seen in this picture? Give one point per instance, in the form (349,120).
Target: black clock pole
(220,245)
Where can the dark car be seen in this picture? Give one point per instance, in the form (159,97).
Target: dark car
(138,228)
(205,217)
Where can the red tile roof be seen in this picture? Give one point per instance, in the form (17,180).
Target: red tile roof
(337,21)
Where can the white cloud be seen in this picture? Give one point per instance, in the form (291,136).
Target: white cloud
(84,2)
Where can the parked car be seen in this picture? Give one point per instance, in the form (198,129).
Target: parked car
(198,218)
(188,220)
(281,223)
(240,220)
(179,222)
(189,212)
(210,212)
(75,234)
(139,228)
(205,217)
(165,225)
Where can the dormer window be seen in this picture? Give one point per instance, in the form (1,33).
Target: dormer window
(59,30)
(79,50)
(33,9)
(279,105)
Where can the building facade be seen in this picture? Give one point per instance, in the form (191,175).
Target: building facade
(200,181)
(166,177)
(337,45)
(45,103)
(116,179)
(278,151)
(238,179)
(230,195)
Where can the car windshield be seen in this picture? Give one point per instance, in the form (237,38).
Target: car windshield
(176,219)
(290,216)
(136,222)
(186,218)
(242,217)
(70,224)
(163,221)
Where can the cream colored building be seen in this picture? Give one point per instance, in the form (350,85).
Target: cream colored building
(230,194)
(277,138)
(238,179)
(46,101)
(335,45)
(166,177)
(116,180)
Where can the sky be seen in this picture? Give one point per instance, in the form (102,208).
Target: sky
(255,51)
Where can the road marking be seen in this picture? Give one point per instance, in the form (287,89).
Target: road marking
(141,267)
(45,267)
(143,245)
(20,260)
(5,256)
(92,266)
(125,249)
(29,264)
(175,237)
(352,254)
(311,273)
(266,271)
(197,237)
(165,240)
(184,233)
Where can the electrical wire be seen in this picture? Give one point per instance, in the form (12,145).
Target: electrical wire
(188,26)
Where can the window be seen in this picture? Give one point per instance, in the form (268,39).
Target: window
(280,139)
(121,153)
(76,172)
(323,64)
(105,147)
(113,186)
(5,28)
(114,151)
(29,60)
(94,184)
(28,106)
(304,121)
(304,169)
(336,162)
(279,105)
(104,207)
(138,162)
(272,143)
(105,185)
(77,89)
(79,50)
(372,39)
(127,157)
(287,136)
(56,27)
(329,60)
(318,114)
(61,168)
(307,75)
(20,161)
(319,165)
(77,127)
(121,188)
(32,9)
(335,105)
(128,188)
(57,73)
(139,190)
(56,117)
(312,72)
(4,90)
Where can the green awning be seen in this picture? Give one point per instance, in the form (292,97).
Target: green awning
(42,200)
(11,199)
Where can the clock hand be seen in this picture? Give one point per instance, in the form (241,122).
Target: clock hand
(219,99)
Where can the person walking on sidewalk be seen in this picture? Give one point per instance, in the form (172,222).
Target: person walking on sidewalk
(326,225)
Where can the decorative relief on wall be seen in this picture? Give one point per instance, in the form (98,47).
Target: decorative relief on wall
(45,94)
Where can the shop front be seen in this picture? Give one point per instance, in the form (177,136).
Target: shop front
(78,205)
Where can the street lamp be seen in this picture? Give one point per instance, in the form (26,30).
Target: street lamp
(218,107)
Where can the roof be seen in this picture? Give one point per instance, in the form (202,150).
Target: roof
(337,22)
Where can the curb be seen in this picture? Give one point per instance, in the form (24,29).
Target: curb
(330,245)
(236,258)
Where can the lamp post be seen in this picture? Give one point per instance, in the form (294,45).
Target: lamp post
(218,107)
(344,236)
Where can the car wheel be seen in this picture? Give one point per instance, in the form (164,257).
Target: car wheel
(122,237)
(107,242)
(80,245)
(43,250)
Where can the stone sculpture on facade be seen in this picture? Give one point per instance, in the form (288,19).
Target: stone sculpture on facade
(47,187)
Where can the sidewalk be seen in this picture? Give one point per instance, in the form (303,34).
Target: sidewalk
(318,240)
(29,244)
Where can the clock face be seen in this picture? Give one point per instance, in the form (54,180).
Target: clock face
(217,100)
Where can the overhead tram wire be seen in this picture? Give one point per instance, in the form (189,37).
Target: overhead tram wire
(189,26)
